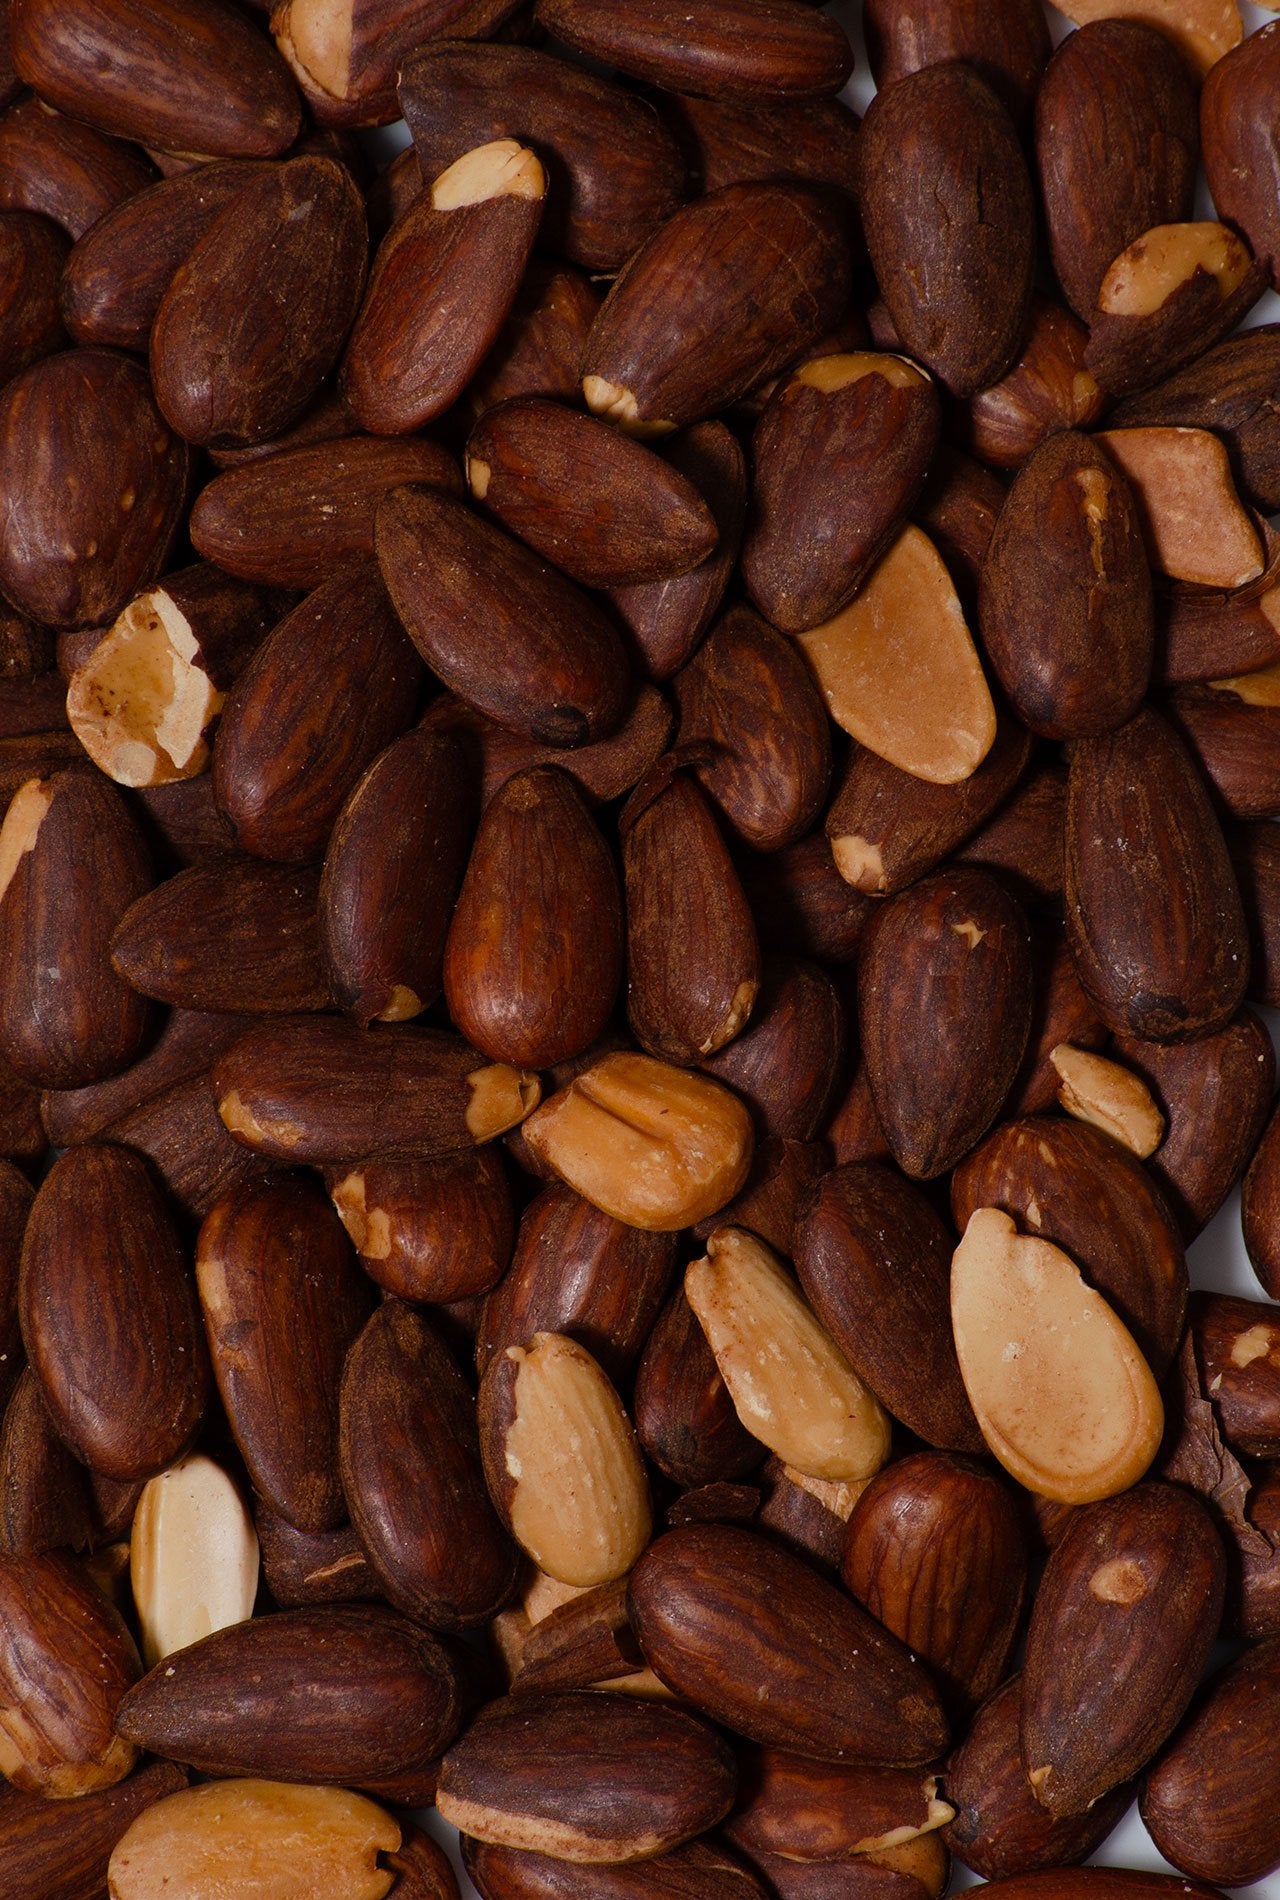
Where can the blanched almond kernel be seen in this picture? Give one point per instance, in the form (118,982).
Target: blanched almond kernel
(1095,1089)
(255,1840)
(314,37)
(1146,275)
(1203,29)
(618,404)
(193,1557)
(1197,526)
(830,373)
(500,1098)
(576,1498)
(501,169)
(141,703)
(790,1384)
(899,670)
(1063,1396)
(21,827)
(655,1146)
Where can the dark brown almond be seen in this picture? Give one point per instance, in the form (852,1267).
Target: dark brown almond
(1233,732)
(954,262)
(1121,86)
(346,59)
(1065,601)
(700,1871)
(392,868)
(728,292)
(283,1299)
(44,1501)
(303,1569)
(1241,155)
(1227,390)
(63,169)
(1238,1351)
(33,252)
(92,486)
(557,674)
(428,1230)
(333,685)
(1100,1883)
(1260,1202)
(334,1694)
(1255,854)
(1008,43)
(721,1613)
(854,1132)
(188,1042)
(287,518)
(763,49)
(801,904)
(954,950)
(605,770)
(918,1870)
(809,1514)
(1023,842)
(959,508)
(1070,1184)
(327,419)
(1061,1012)
(422,1870)
(16,1196)
(736,141)
(1122,1626)
(684,1416)
(1049,388)
(825,1811)
(1210,633)
(787,1061)
(1166,298)
(70,1860)
(615,172)
(22,1135)
(585,1644)
(411,1471)
(1142,841)
(539,348)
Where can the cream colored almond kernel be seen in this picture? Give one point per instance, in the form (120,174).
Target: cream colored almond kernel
(142,703)
(501,1097)
(860,863)
(830,373)
(1063,1396)
(1203,29)
(1256,1342)
(923,1860)
(617,404)
(558,1840)
(1197,527)
(239,1119)
(1263,687)
(899,670)
(478,474)
(193,1557)
(837,1495)
(255,1840)
(21,827)
(1118,1581)
(791,1386)
(579,1503)
(1146,275)
(314,37)
(744,998)
(1095,1089)
(655,1146)
(501,169)
(543,1595)
(402,1005)
(369,1228)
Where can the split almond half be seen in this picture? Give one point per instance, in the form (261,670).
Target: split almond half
(193,1557)
(1197,527)
(790,1384)
(1204,29)
(142,704)
(1095,1089)
(1063,1396)
(899,670)
(1162,260)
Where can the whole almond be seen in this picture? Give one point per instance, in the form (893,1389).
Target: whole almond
(1008,43)
(754,48)
(786,1062)
(436,1230)
(46,1504)
(34,251)
(825,1811)
(64,170)
(684,1415)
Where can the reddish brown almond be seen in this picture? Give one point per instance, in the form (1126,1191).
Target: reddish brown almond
(802,905)
(1118,85)
(441,284)
(346,58)
(33,252)
(292,242)
(753,48)
(428,1230)
(92,486)
(333,684)
(64,170)
(1236,1344)
(1233,730)
(1255,854)
(959,506)
(782,1174)
(737,141)
(1100,1883)
(919,1870)
(722,1613)
(1009,44)
(539,347)
(186,1045)
(72,1858)
(1225,390)
(1216,633)
(586,1643)
(287,518)
(392,869)
(1241,156)
(605,771)
(954,263)
(1065,603)
(699,1871)
(16,1196)
(822,1811)
(302,1570)
(957,947)
(1121,1629)
(755,272)
(1049,388)
(1261,1197)
(684,1415)
(787,1062)
(44,1499)
(1169,296)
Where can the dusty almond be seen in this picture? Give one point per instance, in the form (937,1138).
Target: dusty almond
(562,1462)
(1095,1089)
(193,1557)
(653,1145)
(243,1839)
(1065,1400)
(791,1385)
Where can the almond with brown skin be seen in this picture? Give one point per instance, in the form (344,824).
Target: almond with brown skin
(71,1859)
(1241,156)
(1226,390)
(1118,86)
(781,1176)
(1169,296)
(1008,44)
(539,348)
(63,169)
(392,868)
(605,770)
(1099,1883)
(762,49)
(700,1871)
(959,506)
(1121,1629)
(1215,633)
(955,947)
(722,1613)
(854,1131)
(684,1415)
(787,1061)
(22,1136)
(1260,1202)
(823,1811)
(428,1230)
(801,904)
(1139,822)
(1255,854)
(179,1132)
(302,1570)
(919,1870)
(44,1501)
(346,57)
(1202,32)
(1233,732)
(729,291)
(1236,1344)
(955,263)
(1049,388)
(737,141)
(586,1643)
(34,252)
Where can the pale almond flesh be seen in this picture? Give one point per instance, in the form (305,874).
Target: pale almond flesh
(501,169)
(899,670)
(21,827)
(501,1097)
(1063,1396)
(831,373)
(1146,275)
(1263,687)
(791,1386)
(655,1146)
(1095,1089)
(314,38)
(193,1557)
(141,705)
(1203,29)
(580,1500)
(1197,527)
(617,404)
(255,1840)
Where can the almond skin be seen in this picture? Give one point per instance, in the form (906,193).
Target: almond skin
(684,1415)
(74,1855)
(34,253)
(434,1230)
(699,1871)
(1008,43)
(64,170)
(753,48)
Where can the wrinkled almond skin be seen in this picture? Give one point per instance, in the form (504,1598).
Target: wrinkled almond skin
(737,141)
(1208,633)
(539,348)
(348,76)
(813,1811)
(188,1042)
(953,950)
(1241,155)
(699,1871)
(587,1778)
(302,1571)
(66,1661)
(584,1644)
(1007,43)
(411,1472)
(1049,388)
(605,770)
(1226,390)
(428,1230)
(34,253)
(954,263)
(1121,1629)
(44,1499)
(721,1612)
(752,48)
(782,1173)
(1235,744)
(1235,1345)
(1142,841)
(684,1415)
(109,1315)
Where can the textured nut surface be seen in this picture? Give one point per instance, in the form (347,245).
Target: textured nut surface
(791,1385)
(1197,527)
(1146,275)
(1203,29)
(1095,1089)
(141,703)
(193,1557)
(1065,1400)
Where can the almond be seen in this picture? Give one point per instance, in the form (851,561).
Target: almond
(193,1557)
(753,48)
(1097,1090)
(1201,29)
(435,1230)
(1196,527)
(1240,152)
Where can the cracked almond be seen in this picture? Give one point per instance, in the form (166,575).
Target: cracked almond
(1196,525)
(1095,1089)
(193,1557)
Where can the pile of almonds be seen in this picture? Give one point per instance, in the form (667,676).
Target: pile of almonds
(637,761)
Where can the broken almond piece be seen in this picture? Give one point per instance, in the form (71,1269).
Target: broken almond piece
(501,169)
(1255,689)
(142,704)
(1095,1089)
(1063,1396)
(899,670)
(1197,527)
(193,1557)
(1203,29)
(1157,264)
(791,1385)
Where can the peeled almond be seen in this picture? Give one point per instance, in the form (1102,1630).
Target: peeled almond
(1095,1089)
(1255,689)
(193,1557)
(899,670)
(1063,1396)
(1196,525)
(1203,29)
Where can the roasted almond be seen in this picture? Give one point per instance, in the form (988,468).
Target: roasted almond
(193,1557)
(1049,388)
(1202,30)
(63,169)
(700,1869)
(753,48)
(1095,1089)
(1240,153)
(1169,296)
(73,1855)
(684,1415)
(435,1230)
(823,1811)
(1224,390)
(1196,526)
(34,252)
(787,1061)
(1008,43)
